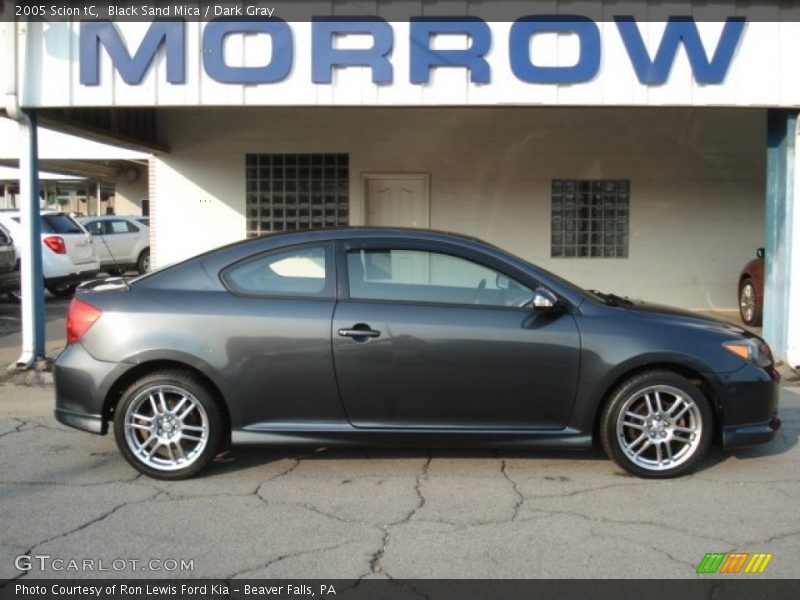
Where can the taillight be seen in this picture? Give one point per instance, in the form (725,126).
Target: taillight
(80,317)
(55,243)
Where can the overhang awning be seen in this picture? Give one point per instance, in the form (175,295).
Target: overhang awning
(12,174)
(61,146)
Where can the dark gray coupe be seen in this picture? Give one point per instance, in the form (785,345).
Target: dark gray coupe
(389,336)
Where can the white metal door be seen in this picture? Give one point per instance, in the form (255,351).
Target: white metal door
(397,201)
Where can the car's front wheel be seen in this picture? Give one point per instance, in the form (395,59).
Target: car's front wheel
(168,425)
(657,425)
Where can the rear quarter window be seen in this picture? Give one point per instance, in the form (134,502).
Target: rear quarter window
(59,224)
(301,272)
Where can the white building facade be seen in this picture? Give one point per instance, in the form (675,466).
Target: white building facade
(632,147)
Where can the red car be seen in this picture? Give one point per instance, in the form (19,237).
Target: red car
(751,290)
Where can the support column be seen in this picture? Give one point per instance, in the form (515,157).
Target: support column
(32,280)
(792,257)
(781,294)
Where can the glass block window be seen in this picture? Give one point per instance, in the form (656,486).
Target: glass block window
(287,192)
(589,218)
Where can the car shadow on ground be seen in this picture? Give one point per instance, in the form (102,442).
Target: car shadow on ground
(245,457)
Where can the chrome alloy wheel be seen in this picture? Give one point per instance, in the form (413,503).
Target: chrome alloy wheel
(747,302)
(659,428)
(166,428)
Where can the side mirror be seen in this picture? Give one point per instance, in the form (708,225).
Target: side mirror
(544,300)
(760,253)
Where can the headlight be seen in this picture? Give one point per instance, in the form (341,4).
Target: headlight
(752,350)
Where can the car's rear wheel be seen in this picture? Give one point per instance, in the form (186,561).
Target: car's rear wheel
(62,291)
(143,264)
(749,304)
(657,425)
(168,425)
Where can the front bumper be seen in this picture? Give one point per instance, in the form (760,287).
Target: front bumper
(737,436)
(82,384)
(749,406)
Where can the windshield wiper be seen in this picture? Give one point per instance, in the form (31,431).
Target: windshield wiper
(612,299)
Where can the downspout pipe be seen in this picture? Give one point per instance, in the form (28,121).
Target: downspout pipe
(31,276)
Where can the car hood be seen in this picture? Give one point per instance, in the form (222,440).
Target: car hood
(684,317)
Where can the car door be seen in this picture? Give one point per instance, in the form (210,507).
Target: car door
(122,238)
(433,336)
(277,332)
(97,229)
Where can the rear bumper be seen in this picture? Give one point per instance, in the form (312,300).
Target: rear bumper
(82,385)
(73,277)
(9,282)
(91,423)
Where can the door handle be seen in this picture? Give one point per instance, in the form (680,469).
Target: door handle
(359,330)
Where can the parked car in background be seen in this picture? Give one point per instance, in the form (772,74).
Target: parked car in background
(122,243)
(9,265)
(68,255)
(360,336)
(751,291)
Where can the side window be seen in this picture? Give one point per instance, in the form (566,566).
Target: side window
(117,227)
(131,228)
(304,271)
(421,276)
(95,227)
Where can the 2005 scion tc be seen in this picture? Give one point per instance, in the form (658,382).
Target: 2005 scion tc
(388,336)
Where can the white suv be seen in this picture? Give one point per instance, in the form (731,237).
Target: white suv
(120,242)
(68,255)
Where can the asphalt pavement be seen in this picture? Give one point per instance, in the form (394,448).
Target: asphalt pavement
(11,328)
(323,513)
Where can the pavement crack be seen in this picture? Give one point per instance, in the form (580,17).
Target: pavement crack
(16,429)
(520,497)
(375,566)
(287,556)
(606,520)
(86,525)
(773,538)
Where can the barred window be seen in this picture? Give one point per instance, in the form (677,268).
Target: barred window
(287,192)
(589,218)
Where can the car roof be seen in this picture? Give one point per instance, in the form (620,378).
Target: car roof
(278,239)
(364,231)
(109,217)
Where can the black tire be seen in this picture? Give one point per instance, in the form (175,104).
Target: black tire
(199,392)
(629,395)
(143,262)
(62,291)
(750,319)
